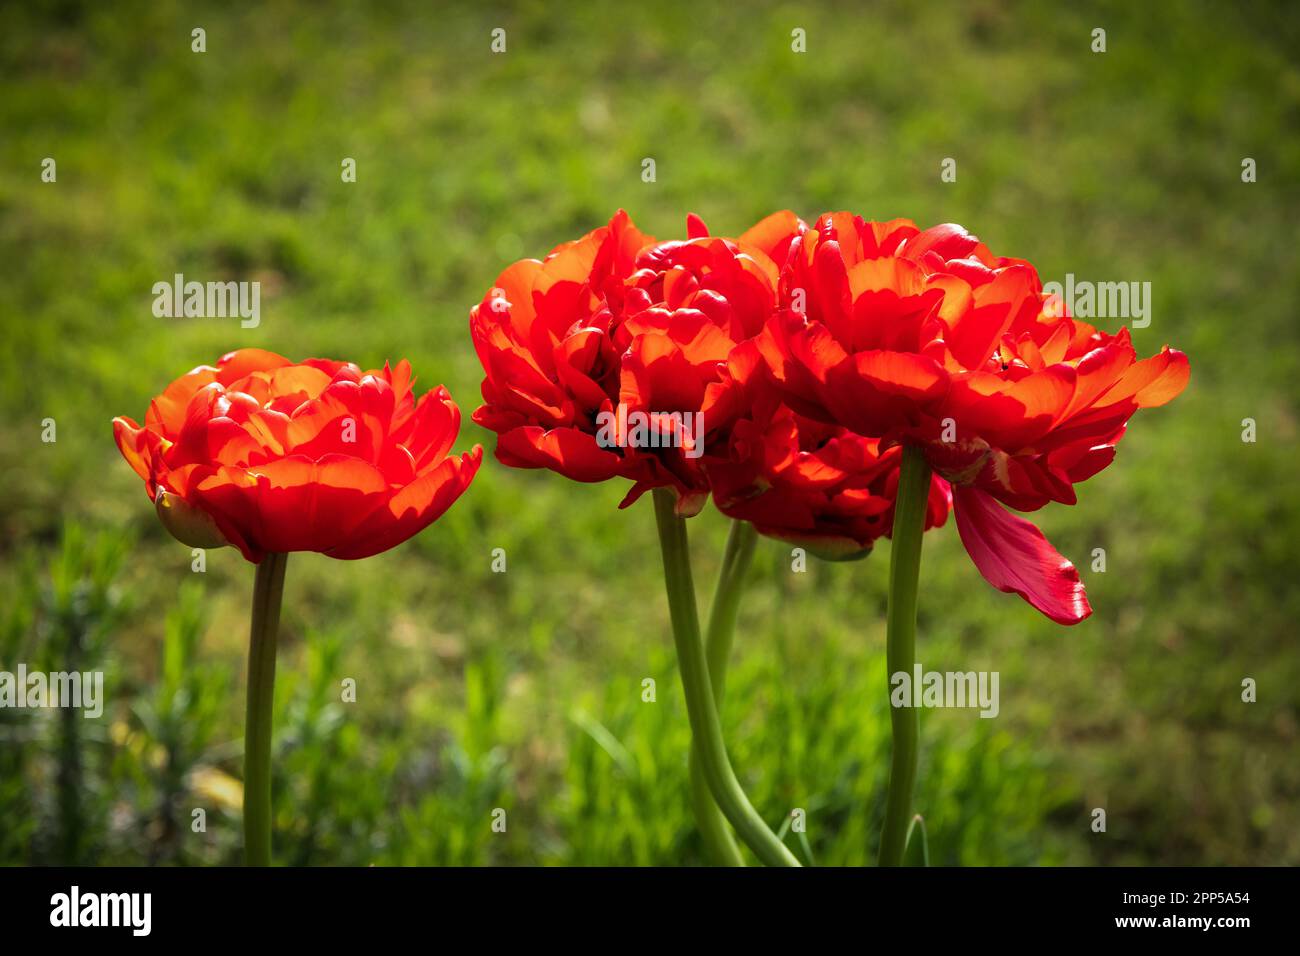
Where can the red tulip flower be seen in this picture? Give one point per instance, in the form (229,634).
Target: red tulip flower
(610,327)
(927,342)
(274,456)
(317,456)
(927,339)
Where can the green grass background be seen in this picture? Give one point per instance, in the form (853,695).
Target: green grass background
(523,690)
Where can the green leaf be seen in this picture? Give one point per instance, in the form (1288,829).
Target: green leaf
(916,850)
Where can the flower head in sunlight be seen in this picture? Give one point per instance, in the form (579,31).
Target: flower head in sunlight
(275,456)
(926,338)
(616,328)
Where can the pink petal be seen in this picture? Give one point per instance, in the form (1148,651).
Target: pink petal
(1013,555)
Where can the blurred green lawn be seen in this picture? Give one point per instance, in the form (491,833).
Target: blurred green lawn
(523,690)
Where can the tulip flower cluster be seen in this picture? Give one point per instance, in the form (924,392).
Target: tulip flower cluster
(850,380)
(813,355)
(826,384)
(616,320)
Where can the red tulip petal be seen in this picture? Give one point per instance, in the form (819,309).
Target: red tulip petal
(167,412)
(774,234)
(1151,382)
(327,425)
(657,375)
(938,504)
(135,445)
(296,384)
(270,430)
(230,496)
(432,429)
(515,299)
(948,239)
(997,307)
(874,392)
(572,453)
(799,355)
(398,465)
(314,505)
(412,509)
(243,362)
(1098,371)
(901,373)
(884,238)
(1009,415)
(401,380)
(1014,556)
(1088,463)
(292,504)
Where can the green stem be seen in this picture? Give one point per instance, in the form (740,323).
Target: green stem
(904,571)
(268,588)
(722,624)
(706,730)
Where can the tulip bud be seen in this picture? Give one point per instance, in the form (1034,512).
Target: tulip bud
(186,523)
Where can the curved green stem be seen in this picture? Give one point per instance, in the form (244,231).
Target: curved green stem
(900,654)
(268,589)
(706,730)
(717,648)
